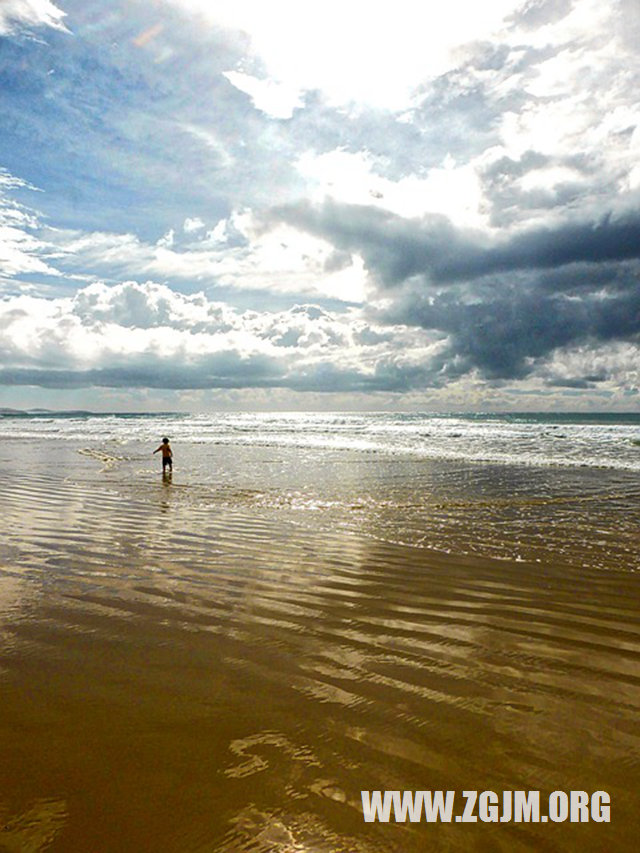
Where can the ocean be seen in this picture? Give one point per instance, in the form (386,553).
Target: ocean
(605,440)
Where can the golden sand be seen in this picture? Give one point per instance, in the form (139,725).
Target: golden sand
(226,681)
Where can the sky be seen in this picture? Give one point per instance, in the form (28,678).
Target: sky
(323,206)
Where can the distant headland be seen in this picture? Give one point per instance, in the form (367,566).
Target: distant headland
(78,413)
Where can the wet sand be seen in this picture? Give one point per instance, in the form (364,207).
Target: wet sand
(181,677)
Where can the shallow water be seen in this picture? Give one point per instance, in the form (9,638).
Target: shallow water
(224,660)
(575,516)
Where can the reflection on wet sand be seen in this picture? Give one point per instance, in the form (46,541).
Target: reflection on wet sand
(234,685)
(35,829)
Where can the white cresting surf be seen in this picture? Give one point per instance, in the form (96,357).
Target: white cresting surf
(540,439)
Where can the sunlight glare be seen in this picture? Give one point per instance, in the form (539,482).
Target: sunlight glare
(355,51)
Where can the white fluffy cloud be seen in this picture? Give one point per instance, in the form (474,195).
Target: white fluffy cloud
(144,335)
(615,364)
(127,333)
(234,254)
(355,178)
(192,224)
(29,13)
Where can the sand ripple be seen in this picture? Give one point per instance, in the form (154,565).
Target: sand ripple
(185,677)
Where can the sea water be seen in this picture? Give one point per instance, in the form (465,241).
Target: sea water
(585,440)
(535,487)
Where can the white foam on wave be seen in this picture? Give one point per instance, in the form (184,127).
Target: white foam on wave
(492,439)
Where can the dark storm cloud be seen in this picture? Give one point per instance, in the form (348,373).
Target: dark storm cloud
(393,248)
(504,306)
(503,336)
(608,239)
(610,276)
(396,249)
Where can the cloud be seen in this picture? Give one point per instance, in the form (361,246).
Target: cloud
(545,115)
(504,303)
(456,194)
(18,14)
(275,99)
(393,248)
(538,13)
(192,224)
(348,177)
(21,250)
(233,255)
(509,334)
(587,366)
(356,51)
(145,335)
(396,248)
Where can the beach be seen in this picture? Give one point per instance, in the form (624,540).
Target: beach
(225,658)
(319,427)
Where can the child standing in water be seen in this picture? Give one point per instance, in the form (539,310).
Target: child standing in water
(167,461)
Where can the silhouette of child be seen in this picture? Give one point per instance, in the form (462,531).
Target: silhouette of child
(167,455)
